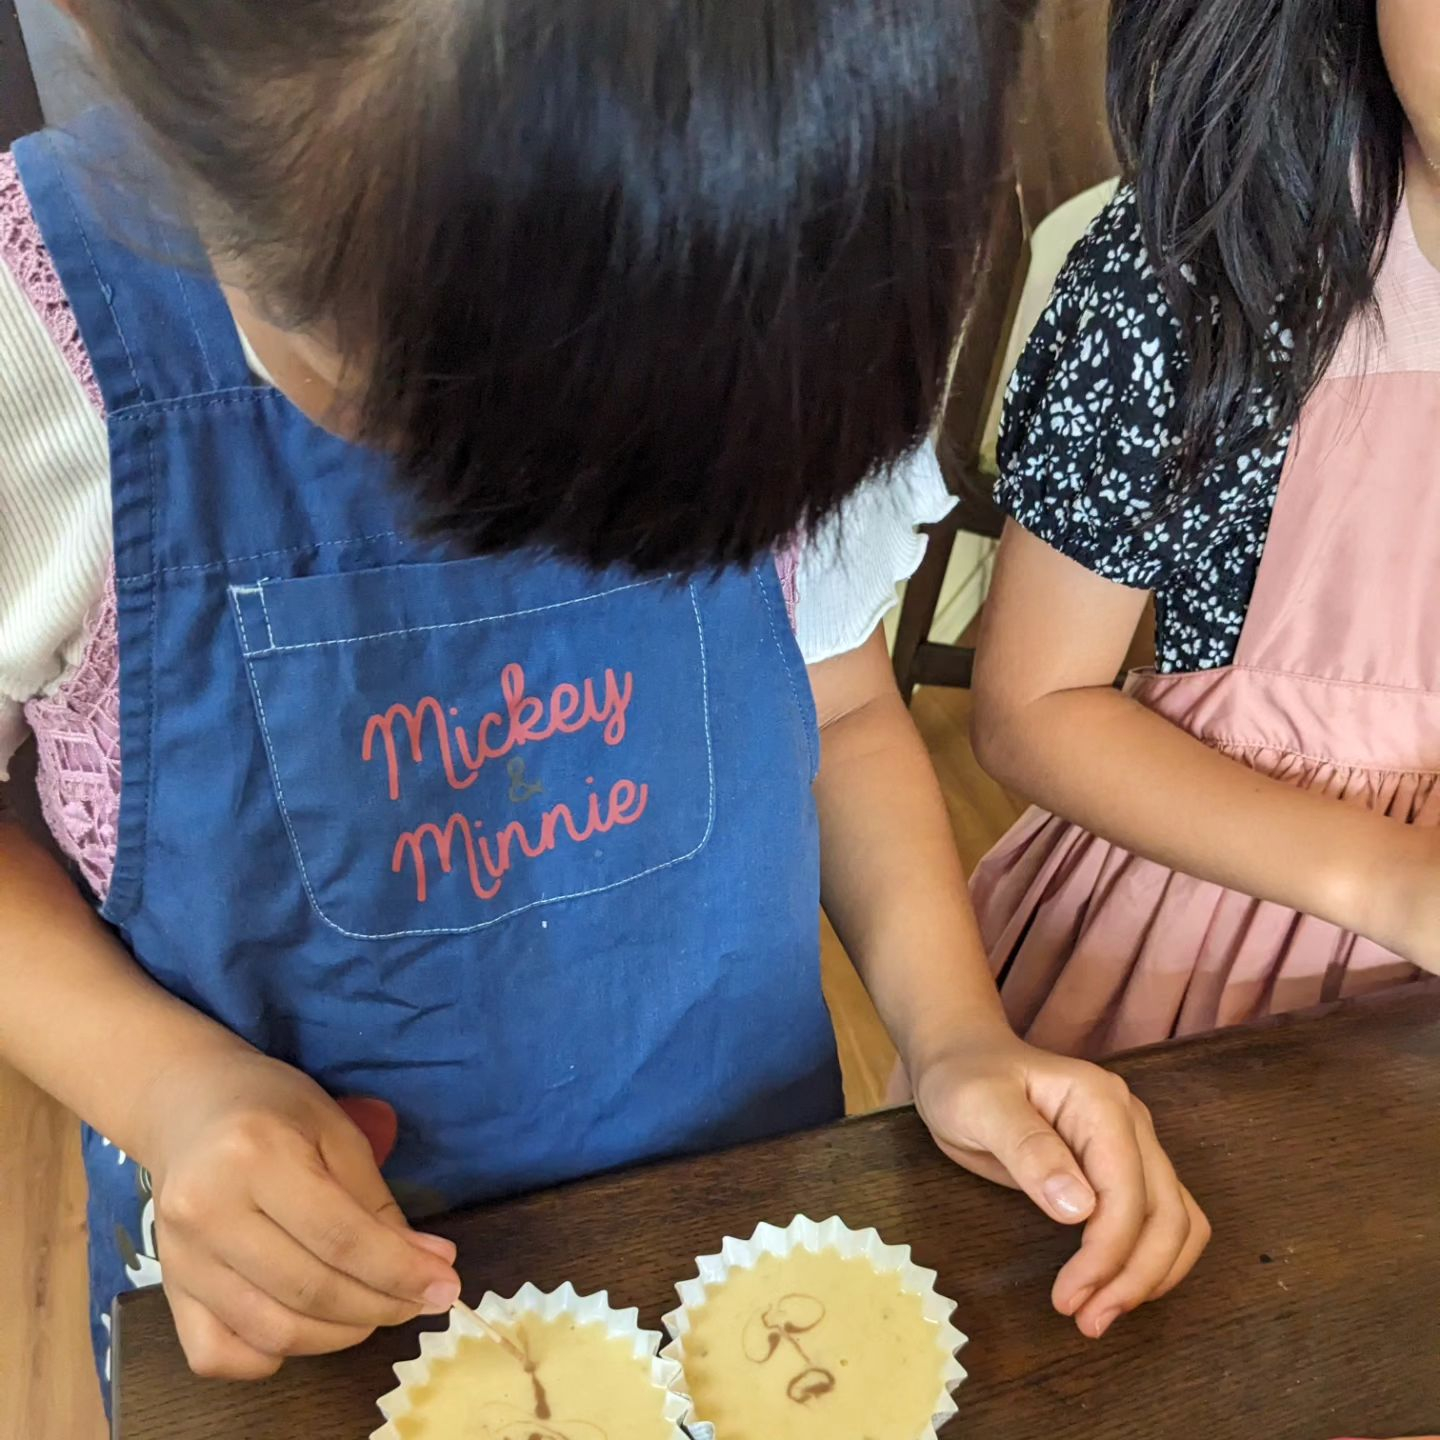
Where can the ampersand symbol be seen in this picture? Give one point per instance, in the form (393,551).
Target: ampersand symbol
(520,791)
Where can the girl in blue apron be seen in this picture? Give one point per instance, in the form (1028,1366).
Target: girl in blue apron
(468,762)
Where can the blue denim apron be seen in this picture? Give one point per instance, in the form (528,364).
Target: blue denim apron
(528,852)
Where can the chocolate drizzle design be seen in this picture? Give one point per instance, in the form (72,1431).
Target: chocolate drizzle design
(781,1324)
(523,1428)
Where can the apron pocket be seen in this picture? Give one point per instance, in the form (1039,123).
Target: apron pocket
(456,744)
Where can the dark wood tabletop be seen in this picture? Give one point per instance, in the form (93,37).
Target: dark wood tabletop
(1313,1143)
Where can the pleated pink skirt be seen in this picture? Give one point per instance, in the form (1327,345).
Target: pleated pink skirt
(1099,950)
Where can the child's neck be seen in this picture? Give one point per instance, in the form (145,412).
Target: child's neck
(1422,189)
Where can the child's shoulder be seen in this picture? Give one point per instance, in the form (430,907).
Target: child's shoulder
(1114,240)
(1111,266)
(1107,354)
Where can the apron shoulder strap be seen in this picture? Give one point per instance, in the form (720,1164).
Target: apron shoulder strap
(150,312)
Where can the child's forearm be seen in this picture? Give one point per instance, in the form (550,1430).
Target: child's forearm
(1125,773)
(892,881)
(1073,1138)
(80,1018)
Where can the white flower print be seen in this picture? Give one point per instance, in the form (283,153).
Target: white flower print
(1093,414)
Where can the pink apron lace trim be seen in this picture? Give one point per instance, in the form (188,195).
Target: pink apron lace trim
(787,562)
(77,728)
(77,737)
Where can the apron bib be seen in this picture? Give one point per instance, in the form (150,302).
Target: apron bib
(528,852)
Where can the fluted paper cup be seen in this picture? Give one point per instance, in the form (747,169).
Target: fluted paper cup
(808,1235)
(439,1346)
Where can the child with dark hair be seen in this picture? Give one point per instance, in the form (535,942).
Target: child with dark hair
(459,773)
(1233,406)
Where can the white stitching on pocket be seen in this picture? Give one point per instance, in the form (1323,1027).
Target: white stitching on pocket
(236,591)
(455,624)
(534,904)
(265,610)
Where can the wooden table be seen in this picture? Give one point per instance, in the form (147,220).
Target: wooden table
(1314,1144)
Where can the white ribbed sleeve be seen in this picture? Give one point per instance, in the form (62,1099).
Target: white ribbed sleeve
(851,570)
(54,512)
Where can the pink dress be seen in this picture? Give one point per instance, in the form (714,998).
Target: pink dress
(1335,687)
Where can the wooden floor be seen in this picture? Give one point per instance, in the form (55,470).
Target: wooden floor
(47,1377)
(47,1382)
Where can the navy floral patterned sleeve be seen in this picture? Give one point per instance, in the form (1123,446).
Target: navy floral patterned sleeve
(1093,410)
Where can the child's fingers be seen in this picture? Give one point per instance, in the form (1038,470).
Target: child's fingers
(1037,1160)
(262,1322)
(310,1205)
(1201,1234)
(435,1244)
(1163,1240)
(350,1158)
(1189,1257)
(265,1255)
(1101,1131)
(978,1163)
(212,1350)
(356,1167)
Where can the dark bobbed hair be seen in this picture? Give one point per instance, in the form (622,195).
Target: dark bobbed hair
(657,283)
(1266,145)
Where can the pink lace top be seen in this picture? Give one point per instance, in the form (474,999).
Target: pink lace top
(77,727)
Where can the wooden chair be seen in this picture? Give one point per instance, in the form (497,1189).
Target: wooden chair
(1060,149)
(19,103)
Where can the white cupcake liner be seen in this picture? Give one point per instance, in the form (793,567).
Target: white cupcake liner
(833,1234)
(439,1345)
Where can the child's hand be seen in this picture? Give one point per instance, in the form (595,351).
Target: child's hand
(1074,1139)
(276,1233)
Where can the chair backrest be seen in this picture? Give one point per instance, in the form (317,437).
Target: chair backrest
(19,104)
(64,74)
(1050,245)
(1061,153)
(1062,132)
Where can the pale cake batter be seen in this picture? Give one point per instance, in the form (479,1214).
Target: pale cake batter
(813,1347)
(548,1380)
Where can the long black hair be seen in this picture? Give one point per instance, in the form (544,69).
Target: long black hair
(1266,145)
(652,282)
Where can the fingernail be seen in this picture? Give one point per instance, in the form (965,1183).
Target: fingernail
(1080,1301)
(436,1245)
(1103,1322)
(441,1296)
(1069,1197)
